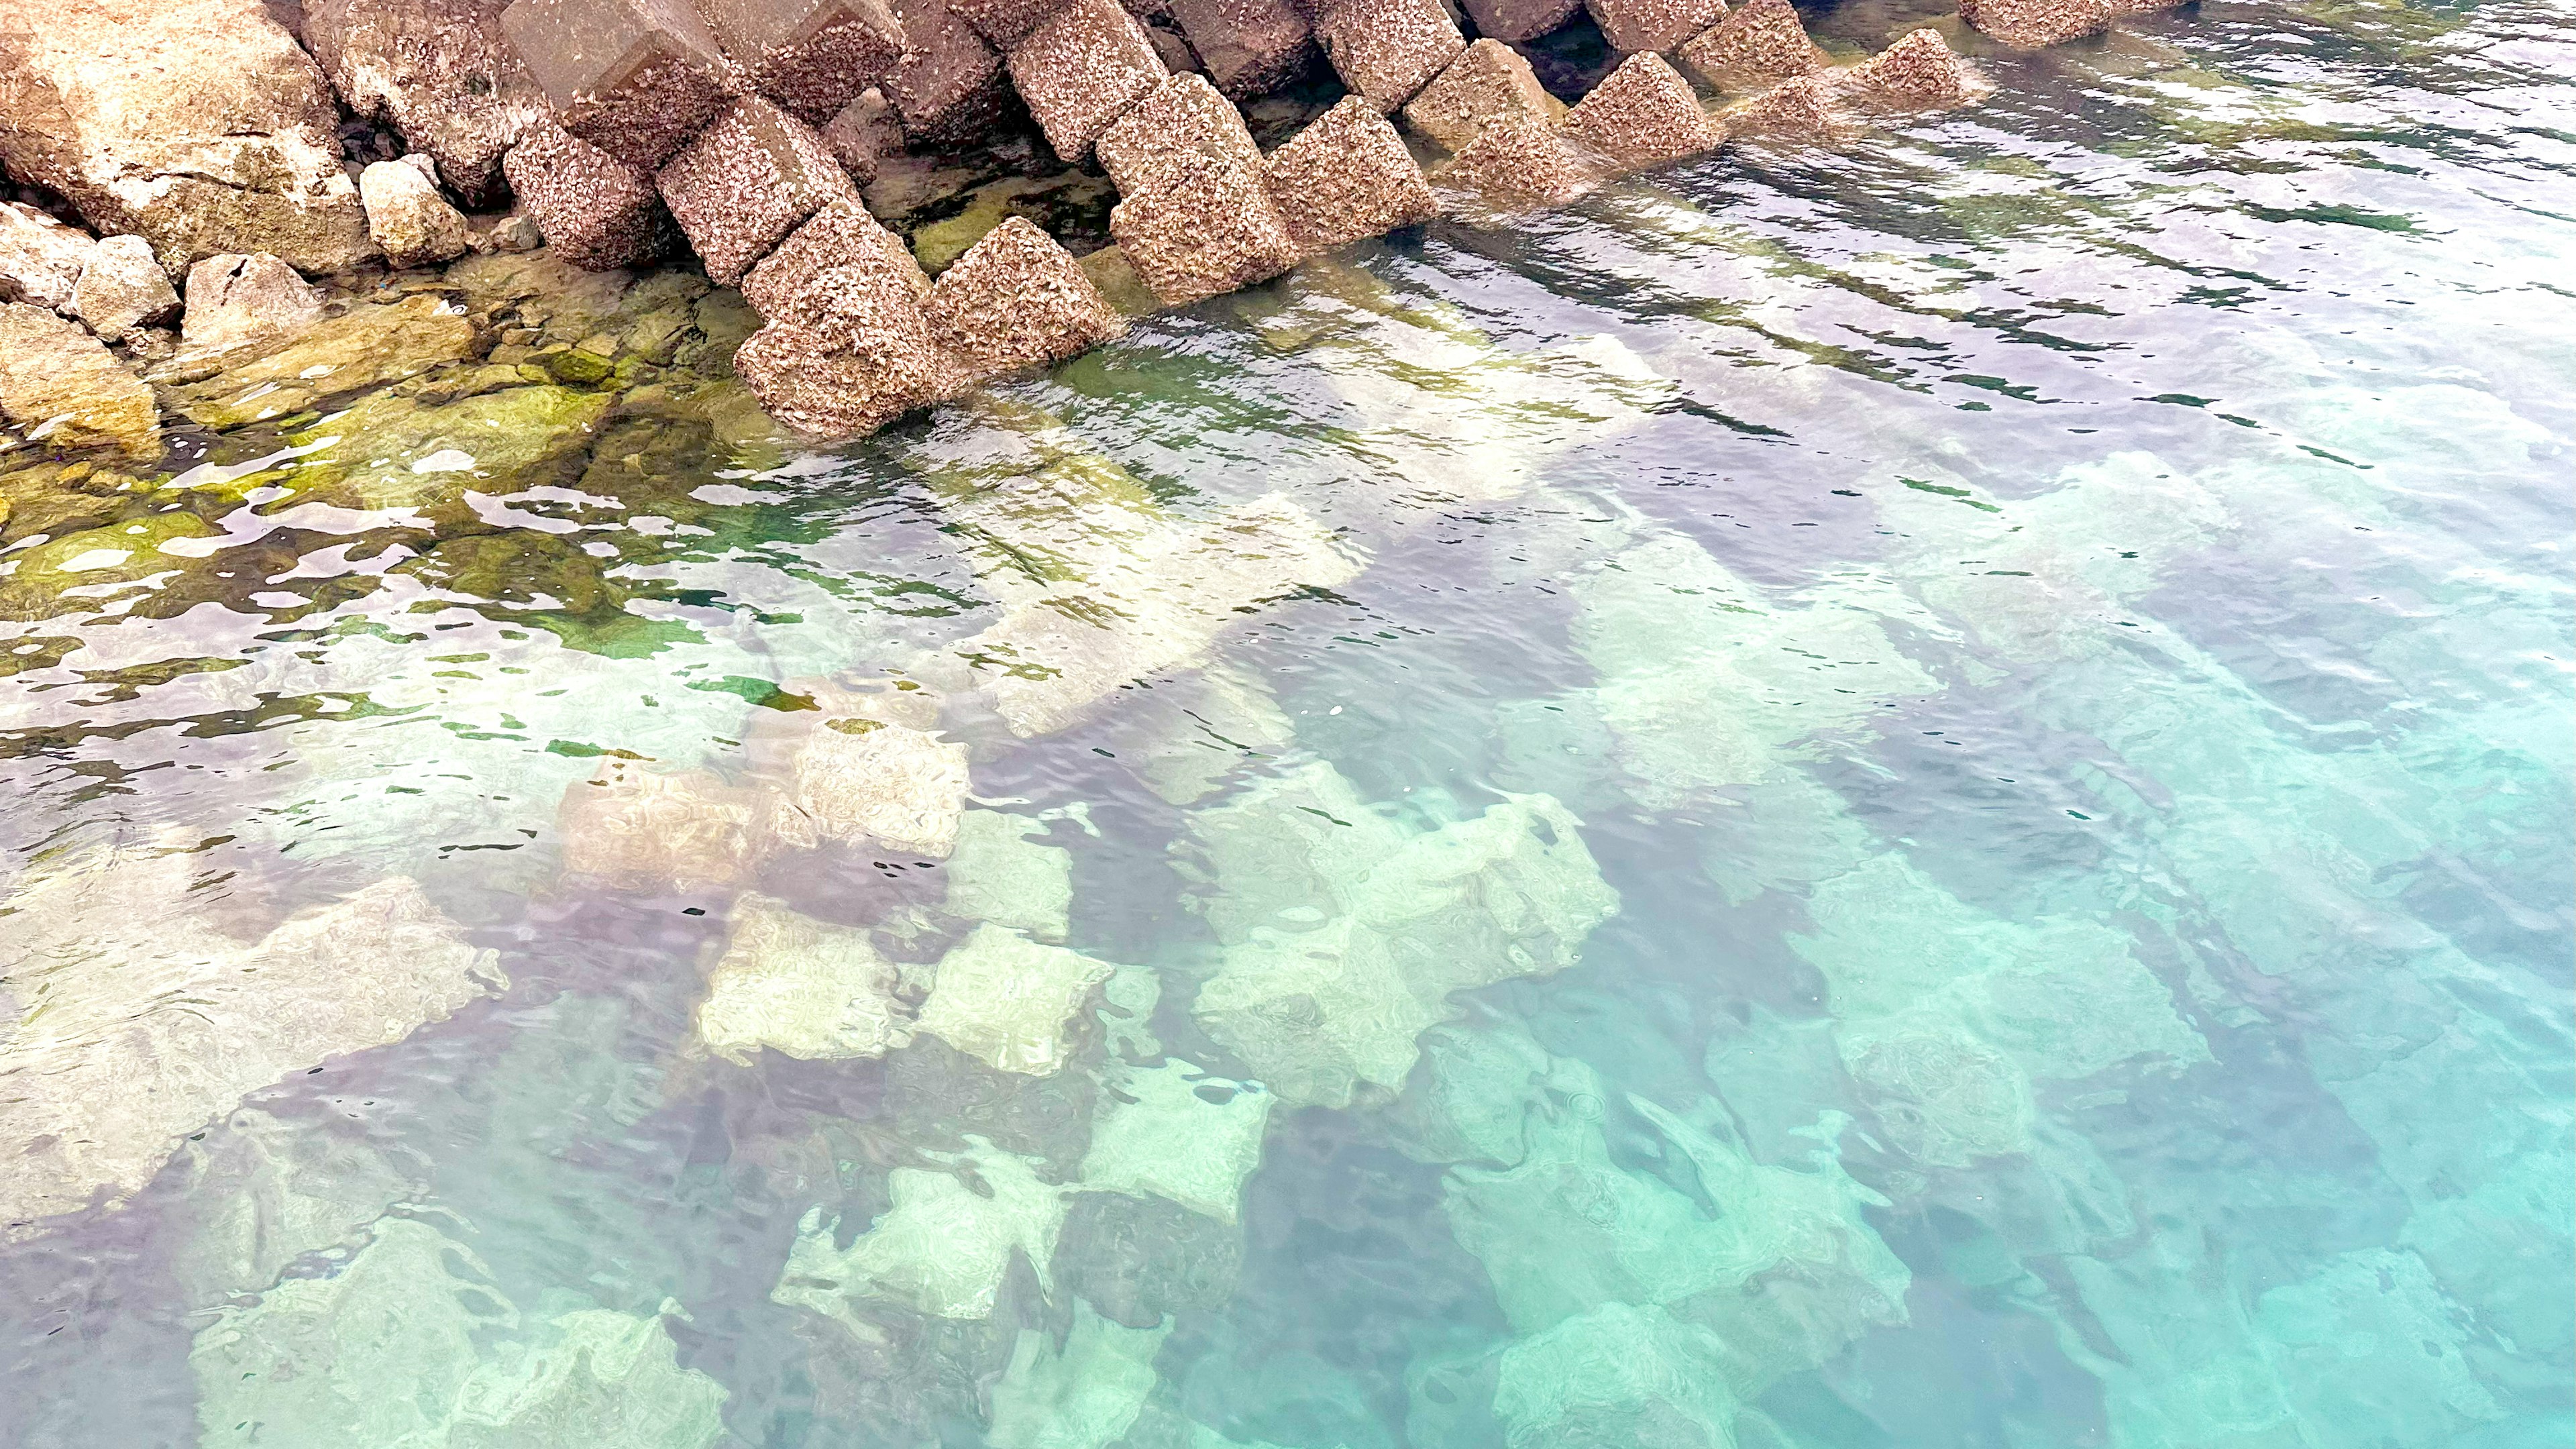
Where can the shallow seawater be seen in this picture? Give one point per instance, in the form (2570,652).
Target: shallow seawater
(1908,795)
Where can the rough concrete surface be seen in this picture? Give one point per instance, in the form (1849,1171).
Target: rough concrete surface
(1758,42)
(1634,27)
(1017,300)
(1211,228)
(1919,71)
(1081,67)
(1489,81)
(1642,114)
(2034,24)
(1387,50)
(1184,117)
(636,78)
(1514,166)
(596,211)
(1249,47)
(439,72)
(812,57)
(746,182)
(1345,177)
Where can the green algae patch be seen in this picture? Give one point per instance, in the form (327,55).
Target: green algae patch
(393,451)
(365,347)
(89,569)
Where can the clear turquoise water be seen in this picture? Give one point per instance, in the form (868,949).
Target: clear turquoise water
(1931,806)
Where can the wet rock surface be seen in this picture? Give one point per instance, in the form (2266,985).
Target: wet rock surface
(246,301)
(408,218)
(122,288)
(61,386)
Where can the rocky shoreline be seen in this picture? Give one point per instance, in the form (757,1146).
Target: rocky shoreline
(911,201)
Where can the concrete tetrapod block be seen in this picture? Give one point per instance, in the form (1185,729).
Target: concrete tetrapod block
(876,364)
(865,131)
(1387,50)
(597,212)
(1641,115)
(1345,177)
(1919,71)
(2035,24)
(1635,26)
(1210,228)
(1184,117)
(744,184)
(1081,68)
(840,253)
(948,86)
(810,56)
(1489,81)
(636,78)
(1017,300)
(1004,22)
(1515,165)
(1249,47)
(1803,106)
(1758,42)
(1518,20)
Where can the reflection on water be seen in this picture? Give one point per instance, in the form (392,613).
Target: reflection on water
(1918,795)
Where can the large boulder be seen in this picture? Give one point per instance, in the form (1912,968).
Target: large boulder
(40,258)
(407,216)
(245,302)
(123,288)
(60,385)
(195,124)
(438,71)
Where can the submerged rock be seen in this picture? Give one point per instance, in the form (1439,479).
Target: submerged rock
(364,347)
(1006,1000)
(246,301)
(1178,1133)
(999,876)
(196,124)
(638,829)
(802,987)
(393,451)
(60,385)
(1081,1394)
(941,1249)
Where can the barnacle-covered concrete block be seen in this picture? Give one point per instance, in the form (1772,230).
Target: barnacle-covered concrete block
(1758,42)
(811,56)
(1003,22)
(1017,300)
(2034,24)
(1641,114)
(1489,81)
(636,78)
(1345,177)
(1184,117)
(837,264)
(1516,165)
(1080,68)
(949,83)
(843,386)
(440,72)
(1806,105)
(864,132)
(742,186)
(1517,20)
(1209,228)
(1918,71)
(1249,47)
(596,211)
(1388,50)
(1635,26)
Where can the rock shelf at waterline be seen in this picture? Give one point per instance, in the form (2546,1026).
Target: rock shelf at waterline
(914,201)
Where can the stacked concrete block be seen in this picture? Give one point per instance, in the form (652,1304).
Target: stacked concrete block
(812,57)
(948,86)
(1918,72)
(1757,43)
(1515,165)
(1170,46)
(864,133)
(1005,22)
(1519,20)
(1183,118)
(746,182)
(1489,81)
(841,251)
(635,78)
(1802,106)
(596,211)
(1080,68)
(1210,227)
(1345,177)
(1017,300)
(2032,24)
(1642,114)
(1388,50)
(878,367)
(1248,47)
(1634,27)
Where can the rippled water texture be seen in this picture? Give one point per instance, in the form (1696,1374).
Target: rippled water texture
(1911,795)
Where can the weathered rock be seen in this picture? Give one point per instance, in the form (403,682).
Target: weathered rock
(1919,72)
(1169,46)
(1635,26)
(863,131)
(635,829)
(1515,165)
(123,288)
(2034,24)
(1345,177)
(1758,42)
(365,347)
(195,124)
(740,188)
(598,212)
(409,219)
(40,258)
(1807,106)
(1387,50)
(812,57)
(1489,81)
(949,83)
(1182,118)
(438,72)
(1004,22)
(512,233)
(245,302)
(1517,20)
(1211,228)
(1081,67)
(1249,47)
(60,385)
(831,388)
(838,261)
(1640,115)
(1017,300)
(636,78)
